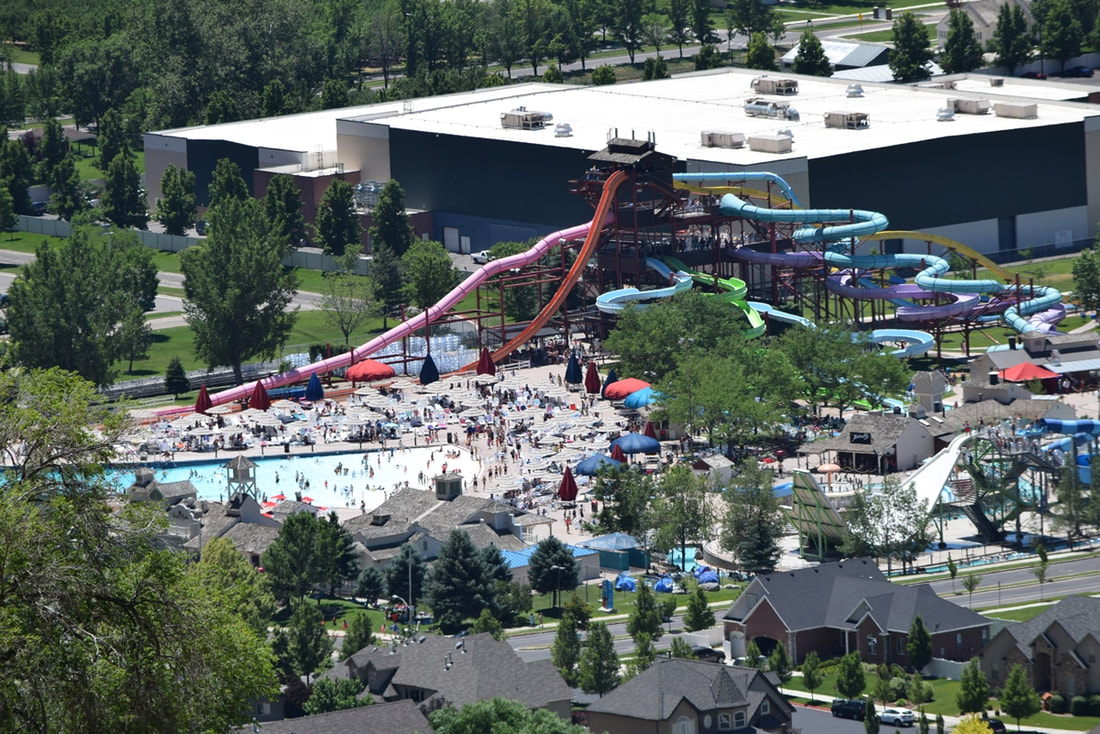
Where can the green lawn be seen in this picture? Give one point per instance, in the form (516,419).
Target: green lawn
(20,55)
(1023,614)
(624,600)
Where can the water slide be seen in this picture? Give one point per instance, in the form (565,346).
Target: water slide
(615,301)
(930,479)
(590,231)
(685,180)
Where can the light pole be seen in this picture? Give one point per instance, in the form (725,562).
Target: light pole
(690,342)
(557,581)
(408,607)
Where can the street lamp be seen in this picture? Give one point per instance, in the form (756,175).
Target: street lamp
(408,607)
(690,342)
(557,580)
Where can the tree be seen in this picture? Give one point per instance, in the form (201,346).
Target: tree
(679,14)
(51,150)
(1010,38)
(891,523)
(754,521)
(655,30)
(552,568)
(812,677)
(226,182)
(598,671)
(458,586)
(1086,278)
(974,688)
(89,584)
(123,198)
(645,618)
(1072,508)
(961,51)
(407,574)
(111,139)
(175,379)
(884,687)
(910,57)
(283,209)
(972,724)
(565,652)
(1062,32)
(349,300)
(752,655)
(699,614)
(629,25)
(336,694)
(603,74)
(237,292)
(7,209)
(850,680)
(701,26)
(624,496)
(389,279)
(500,715)
(970,583)
(811,58)
(580,611)
(681,648)
(430,273)
(1040,570)
(952,570)
(682,506)
(871,721)
(486,622)
(226,573)
(359,634)
(134,336)
(779,663)
(176,207)
(749,17)
(919,644)
(67,199)
(371,585)
(335,558)
(644,655)
(391,221)
(760,53)
(290,563)
(304,645)
(1018,699)
(337,221)
(17,170)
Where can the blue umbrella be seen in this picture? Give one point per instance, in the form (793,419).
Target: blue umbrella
(429,373)
(593,464)
(573,374)
(314,391)
(641,398)
(637,443)
(611,377)
(664,585)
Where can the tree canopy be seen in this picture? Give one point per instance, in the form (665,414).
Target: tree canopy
(553,568)
(811,58)
(754,521)
(459,586)
(500,715)
(911,54)
(961,52)
(338,225)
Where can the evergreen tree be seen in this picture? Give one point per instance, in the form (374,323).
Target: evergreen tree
(812,677)
(699,614)
(754,520)
(398,574)
(752,655)
(459,586)
(850,680)
(553,568)
(111,139)
(176,207)
(67,199)
(1018,699)
(123,199)
(337,221)
(919,644)
(760,53)
(290,563)
(336,561)
(388,275)
(603,74)
(283,209)
(17,170)
(226,182)
(598,671)
(961,52)
(391,221)
(974,691)
(644,653)
(811,57)
(871,721)
(305,644)
(911,55)
(645,618)
(565,652)
(779,663)
(371,585)
(51,150)
(359,635)
(7,210)
(580,611)
(701,26)
(1010,38)
(681,648)
(429,273)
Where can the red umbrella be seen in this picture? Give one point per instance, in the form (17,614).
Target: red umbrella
(592,380)
(307,499)
(567,492)
(622,388)
(1026,371)
(650,430)
(259,400)
(617,453)
(368,370)
(270,504)
(485,364)
(278,497)
(203,402)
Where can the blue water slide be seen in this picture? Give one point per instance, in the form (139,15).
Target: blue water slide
(742,176)
(1054,425)
(864,222)
(782,316)
(916,342)
(615,301)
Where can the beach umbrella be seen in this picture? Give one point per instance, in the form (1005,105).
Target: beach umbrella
(278,497)
(636,443)
(259,400)
(622,388)
(307,500)
(590,466)
(573,370)
(617,453)
(641,398)
(368,370)
(827,470)
(429,373)
(567,492)
(203,402)
(592,379)
(650,430)
(1026,371)
(607,381)
(485,364)
(314,391)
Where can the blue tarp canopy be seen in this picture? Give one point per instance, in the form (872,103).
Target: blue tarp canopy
(641,398)
(707,577)
(663,585)
(699,571)
(594,463)
(625,583)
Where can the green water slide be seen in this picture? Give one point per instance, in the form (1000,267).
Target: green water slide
(732,290)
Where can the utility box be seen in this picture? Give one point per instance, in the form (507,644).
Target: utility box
(770,143)
(1016,110)
(768,85)
(848,120)
(969,106)
(717,139)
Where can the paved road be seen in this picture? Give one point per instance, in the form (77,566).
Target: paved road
(536,646)
(1019,586)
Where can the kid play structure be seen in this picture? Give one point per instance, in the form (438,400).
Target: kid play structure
(655,233)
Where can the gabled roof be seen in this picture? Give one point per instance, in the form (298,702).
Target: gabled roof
(394,515)
(399,717)
(655,693)
(248,537)
(1079,616)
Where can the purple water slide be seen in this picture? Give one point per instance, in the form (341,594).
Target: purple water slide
(841,284)
(788,259)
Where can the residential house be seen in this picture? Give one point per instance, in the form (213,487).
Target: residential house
(983,14)
(681,696)
(241,519)
(399,717)
(855,609)
(437,670)
(1058,649)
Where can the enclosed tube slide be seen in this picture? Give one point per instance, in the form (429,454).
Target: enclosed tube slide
(1054,425)
(590,230)
(615,301)
(742,176)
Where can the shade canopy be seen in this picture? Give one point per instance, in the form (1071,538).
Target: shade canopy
(828,468)
(259,399)
(622,388)
(592,379)
(1026,371)
(573,374)
(203,402)
(567,492)
(636,443)
(617,454)
(609,380)
(368,370)
(485,364)
(429,373)
(590,466)
(625,583)
(641,398)
(314,391)
(650,430)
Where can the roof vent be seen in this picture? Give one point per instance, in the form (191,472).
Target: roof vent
(854,90)
(1016,110)
(945,114)
(969,106)
(757,107)
(770,143)
(563,130)
(786,132)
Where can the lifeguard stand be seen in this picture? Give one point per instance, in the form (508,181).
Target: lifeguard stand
(240,477)
(447,486)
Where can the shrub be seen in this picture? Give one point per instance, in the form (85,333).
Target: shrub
(1094,705)
(707,58)
(553,75)
(1079,706)
(603,75)
(1057,703)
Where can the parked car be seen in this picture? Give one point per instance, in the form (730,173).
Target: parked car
(897,717)
(708,654)
(996,726)
(849,708)
(482,257)
(38,208)
(1077,71)
(1033,75)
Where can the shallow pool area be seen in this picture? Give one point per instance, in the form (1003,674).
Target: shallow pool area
(359,479)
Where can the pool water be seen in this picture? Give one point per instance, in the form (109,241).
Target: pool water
(331,480)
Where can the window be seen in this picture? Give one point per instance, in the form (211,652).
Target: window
(900,645)
(725,722)
(683,725)
(985,635)
(995,671)
(765,707)
(872,645)
(959,641)
(739,719)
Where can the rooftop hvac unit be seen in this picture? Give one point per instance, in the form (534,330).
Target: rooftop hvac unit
(716,139)
(768,85)
(523,119)
(996,81)
(854,90)
(945,114)
(848,120)
(563,130)
(967,106)
(757,107)
(770,143)
(1016,110)
(949,85)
